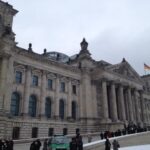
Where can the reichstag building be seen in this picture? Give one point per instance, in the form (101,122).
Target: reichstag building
(50,93)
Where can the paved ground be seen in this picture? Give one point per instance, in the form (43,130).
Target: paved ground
(136,140)
(141,147)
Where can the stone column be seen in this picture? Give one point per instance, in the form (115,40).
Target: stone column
(137,107)
(104,101)
(9,85)
(43,95)
(3,83)
(69,100)
(56,100)
(27,91)
(142,106)
(113,103)
(130,104)
(121,103)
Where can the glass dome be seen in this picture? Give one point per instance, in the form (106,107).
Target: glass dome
(57,56)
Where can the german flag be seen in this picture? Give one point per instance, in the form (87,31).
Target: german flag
(146,67)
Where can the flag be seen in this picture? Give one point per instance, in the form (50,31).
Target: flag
(146,67)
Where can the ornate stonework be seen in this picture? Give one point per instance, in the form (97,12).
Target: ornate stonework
(43,94)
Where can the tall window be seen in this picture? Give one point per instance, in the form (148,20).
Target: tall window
(62,87)
(74,90)
(18,77)
(73,109)
(50,84)
(35,80)
(15,101)
(61,109)
(15,133)
(48,107)
(32,106)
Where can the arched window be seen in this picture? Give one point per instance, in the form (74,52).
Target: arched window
(48,107)
(32,106)
(73,109)
(15,101)
(61,108)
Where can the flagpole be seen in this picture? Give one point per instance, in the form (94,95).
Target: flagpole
(144,69)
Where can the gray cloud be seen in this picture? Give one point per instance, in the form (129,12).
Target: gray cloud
(114,29)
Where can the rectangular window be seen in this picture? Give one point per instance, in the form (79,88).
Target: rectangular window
(50,84)
(50,131)
(77,130)
(15,133)
(18,77)
(34,132)
(62,87)
(74,91)
(35,80)
(65,131)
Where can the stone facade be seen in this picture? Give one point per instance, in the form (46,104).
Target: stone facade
(49,93)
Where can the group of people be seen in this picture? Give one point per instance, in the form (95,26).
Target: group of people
(6,144)
(130,129)
(115,144)
(35,145)
(76,143)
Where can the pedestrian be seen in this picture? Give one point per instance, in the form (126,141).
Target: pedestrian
(102,136)
(33,146)
(115,145)
(73,144)
(107,144)
(5,144)
(1,144)
(38,144)
(45,144)
(89,139)
(49,143)
(10,144)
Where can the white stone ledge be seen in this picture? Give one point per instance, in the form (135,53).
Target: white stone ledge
(100,143)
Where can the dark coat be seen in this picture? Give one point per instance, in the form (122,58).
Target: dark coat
(115,145)
(107,145)
(79,143)
(1,144)
(33,146)
(73,145)
(45,144)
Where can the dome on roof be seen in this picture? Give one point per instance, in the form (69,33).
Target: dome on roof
(57,56)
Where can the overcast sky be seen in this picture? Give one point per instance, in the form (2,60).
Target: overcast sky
(113,28)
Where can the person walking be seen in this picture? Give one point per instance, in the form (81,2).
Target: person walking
(33,146)
(45,144)
(115,145)
(107,144)
(73,144)
(79,141)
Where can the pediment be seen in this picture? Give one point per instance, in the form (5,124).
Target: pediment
(125,70)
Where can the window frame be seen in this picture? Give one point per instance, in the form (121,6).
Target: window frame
(49,84)
(74,89)
(18,77)
(35,80)
(32,106)
(61,109)
(48,107)
(15,104)
(74,110)
(62,86)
